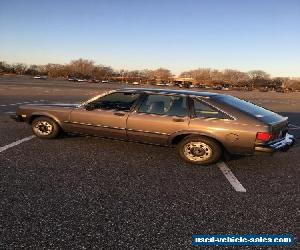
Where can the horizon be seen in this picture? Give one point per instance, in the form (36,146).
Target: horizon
(176,75)
(135,35)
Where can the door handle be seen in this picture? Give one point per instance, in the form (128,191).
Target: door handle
(119,113)
(178,120)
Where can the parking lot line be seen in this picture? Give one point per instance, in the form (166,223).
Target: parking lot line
(20,103)
(292,126)
(231,178)
(16,143)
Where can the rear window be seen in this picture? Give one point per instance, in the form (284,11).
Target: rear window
(245,106)
(250,108)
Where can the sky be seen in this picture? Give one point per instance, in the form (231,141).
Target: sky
(134,34)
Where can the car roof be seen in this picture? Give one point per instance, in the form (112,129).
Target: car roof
(170,91)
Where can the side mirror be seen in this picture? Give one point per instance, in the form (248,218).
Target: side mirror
(90,106)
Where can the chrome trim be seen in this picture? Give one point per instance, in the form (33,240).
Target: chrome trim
(288,140)
(146,131)
(95,125)
(96,97)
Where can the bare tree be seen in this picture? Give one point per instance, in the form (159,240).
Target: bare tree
(161,74)
(4,67)
(201,75)
(102,72)
(19,68)
(216,76)
(87,69)
(259,78)
(293,84)
(256,74)
(81,67)
(32,70)
(235,77)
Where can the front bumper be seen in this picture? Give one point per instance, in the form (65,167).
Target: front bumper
(17,118)
(282,145)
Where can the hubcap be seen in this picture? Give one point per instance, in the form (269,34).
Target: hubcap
(197,151)
(43,128)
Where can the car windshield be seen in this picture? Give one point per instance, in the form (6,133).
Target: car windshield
(95,98)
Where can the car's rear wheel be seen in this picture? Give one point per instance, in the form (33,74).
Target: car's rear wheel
(45,127)
(199,150)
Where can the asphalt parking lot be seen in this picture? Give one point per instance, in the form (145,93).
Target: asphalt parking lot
(80,192)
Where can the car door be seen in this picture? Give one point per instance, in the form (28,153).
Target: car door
(157,117)
(105,116)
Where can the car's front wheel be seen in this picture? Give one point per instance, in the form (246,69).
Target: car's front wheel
(45,127)
(199,150)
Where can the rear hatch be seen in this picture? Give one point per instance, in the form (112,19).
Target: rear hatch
(278,124)
(279,128)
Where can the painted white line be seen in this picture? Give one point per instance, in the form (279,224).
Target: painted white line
(16,143)
(231,178)
(10,112)
(292,126)
(13,104)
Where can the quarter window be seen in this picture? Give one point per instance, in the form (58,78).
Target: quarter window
(203,110)
(118,101)
(164,105)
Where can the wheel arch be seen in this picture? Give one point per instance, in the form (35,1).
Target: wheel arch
(179,136)
(39,114)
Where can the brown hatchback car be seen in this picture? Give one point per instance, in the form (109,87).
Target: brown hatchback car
(202,125)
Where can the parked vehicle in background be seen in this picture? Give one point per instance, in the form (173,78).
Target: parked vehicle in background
(81,80)
(264,89)
(283,90)
(104,81)
(135,83)
(160,84)
(217,87)
(225,86)
(201,125)
(93,81)
(188,85)
(202,86)
(41,77)
(72,79)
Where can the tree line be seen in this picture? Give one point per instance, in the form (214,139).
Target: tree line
(87,69)
(82,68)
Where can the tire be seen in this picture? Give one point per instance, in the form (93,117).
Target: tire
(199,150)
(45,128)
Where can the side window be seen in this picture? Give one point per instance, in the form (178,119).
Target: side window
(118,101)
(203,110)
(164,105)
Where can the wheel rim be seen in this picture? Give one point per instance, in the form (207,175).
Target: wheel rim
(197,151)
(43,128)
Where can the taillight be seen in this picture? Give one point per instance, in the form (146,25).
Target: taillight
(264,136)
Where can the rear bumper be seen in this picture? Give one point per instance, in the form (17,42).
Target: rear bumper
(17,118)
(283,145)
